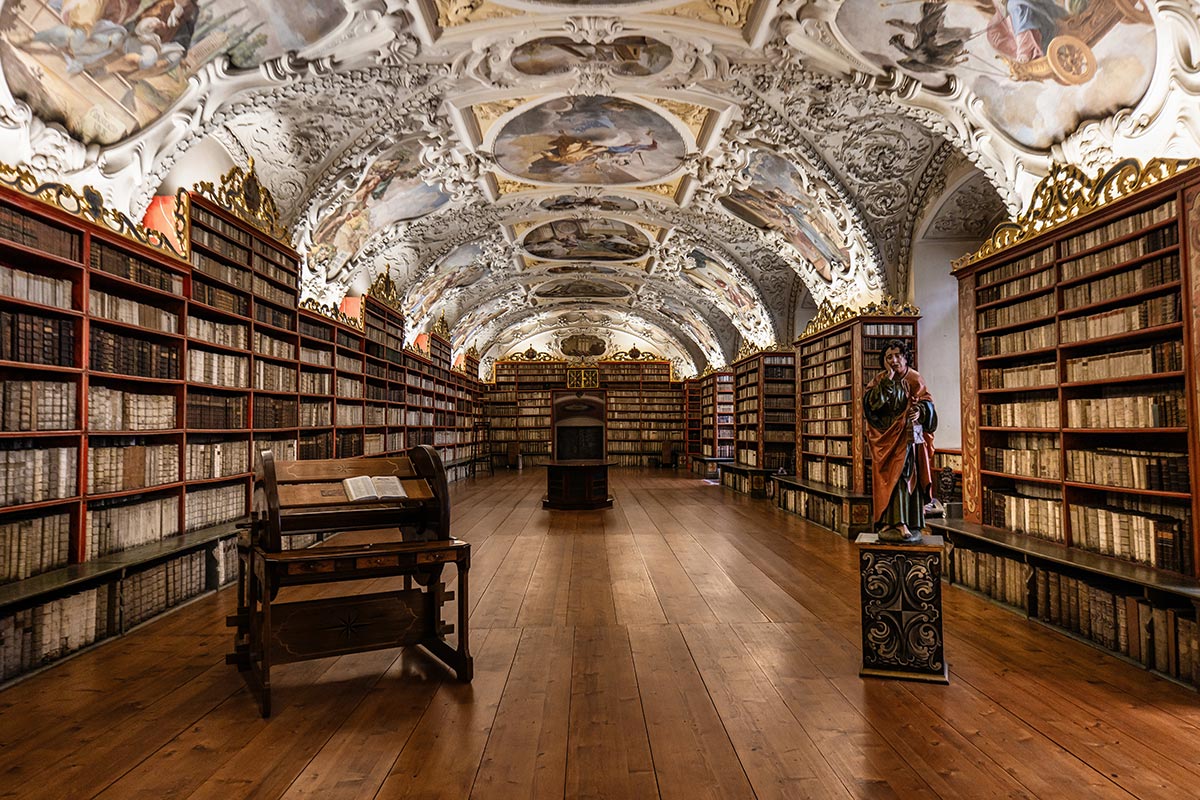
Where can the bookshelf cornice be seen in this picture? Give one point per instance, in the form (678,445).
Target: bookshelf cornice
(1067,193)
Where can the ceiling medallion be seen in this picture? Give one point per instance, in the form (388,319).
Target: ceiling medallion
(242,195)
(89,205)
(829,314)
(1066,193)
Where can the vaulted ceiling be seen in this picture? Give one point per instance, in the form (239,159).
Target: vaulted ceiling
(684,176)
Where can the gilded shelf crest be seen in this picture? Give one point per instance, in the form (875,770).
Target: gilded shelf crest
(441,328)
(384,290)
(829,314)
(1067,193)
(242,195)
(335,314)
(88,205)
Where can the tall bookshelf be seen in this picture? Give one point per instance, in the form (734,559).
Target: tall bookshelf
(1078,410)
(645,411)
(764,386)
(837,356)
(692,417)
(717,434)
(139,380)
(518,407)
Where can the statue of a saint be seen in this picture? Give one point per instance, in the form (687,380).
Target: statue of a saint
(901,419)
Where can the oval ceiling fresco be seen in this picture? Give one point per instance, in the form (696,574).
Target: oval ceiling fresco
(776,199)
(390,191)
(1040,66)
(582,288)
(590,139)
(107,68)
(628,56)
(570,202)
(591,239)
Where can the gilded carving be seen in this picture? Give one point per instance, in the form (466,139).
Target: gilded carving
(970,399)
(486,114)
(242,195)
(1066,193)
(89,205)
(333,313)
(829,314)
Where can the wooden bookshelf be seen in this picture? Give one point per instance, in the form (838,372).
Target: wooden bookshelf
(645,412)
(139,384)
(764,396)
(518,409)
(717,435)
(1079,391)
(837,357)
(692,417)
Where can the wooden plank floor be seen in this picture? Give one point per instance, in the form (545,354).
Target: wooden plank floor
(689,643)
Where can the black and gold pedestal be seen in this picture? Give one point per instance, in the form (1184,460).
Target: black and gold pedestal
(901,593)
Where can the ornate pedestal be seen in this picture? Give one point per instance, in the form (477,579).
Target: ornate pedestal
(577,485)
(901,593)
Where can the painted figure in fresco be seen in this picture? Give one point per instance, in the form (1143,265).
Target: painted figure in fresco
(901,419)
(934,47)
(1022,29)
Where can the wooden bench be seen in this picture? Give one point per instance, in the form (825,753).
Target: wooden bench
(408,537)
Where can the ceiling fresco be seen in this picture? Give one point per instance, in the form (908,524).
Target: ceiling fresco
(586,239)
(590,140)
(690,178)
(1038,66)
(106,68)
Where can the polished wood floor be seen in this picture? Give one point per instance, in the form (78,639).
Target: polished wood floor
(689,643)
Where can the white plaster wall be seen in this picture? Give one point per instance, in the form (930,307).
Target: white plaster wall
(935,292)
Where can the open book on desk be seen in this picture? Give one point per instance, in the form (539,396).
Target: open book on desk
(379,487)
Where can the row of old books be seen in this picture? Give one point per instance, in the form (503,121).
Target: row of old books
(821,510)
(275,317)
(275,412)
(124,265)
(1128,529)
(1119,407)
(1019,377)
(49,631)
(34,339)
(33,545)
(320,358)
(1135,469)
(126,355)
(1126,251)
(1158,272)
(149,592)
(1000,316)
(1118,228)
(349,387)
(276,348)
(216,411)
(319,445)
(120,465)
(218,369)
(30,473)
(40,289)
(217,458)
(224,334)
(225,273)
(220,299)
(995,576)
(1029,455)
(1014,288)
(349,415)
(315,382)
(1022,341)
(374,443)
(119,523)
(1149,313)
(315,413)
(1020,413)
(271,377)
(38,405)
(229,231)
(1034,261)
(131,312)
(271,292)
(120,410)
(1160,357)
(1026,508)
(213,506)
(348,444)
(18,226)
(274,272)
